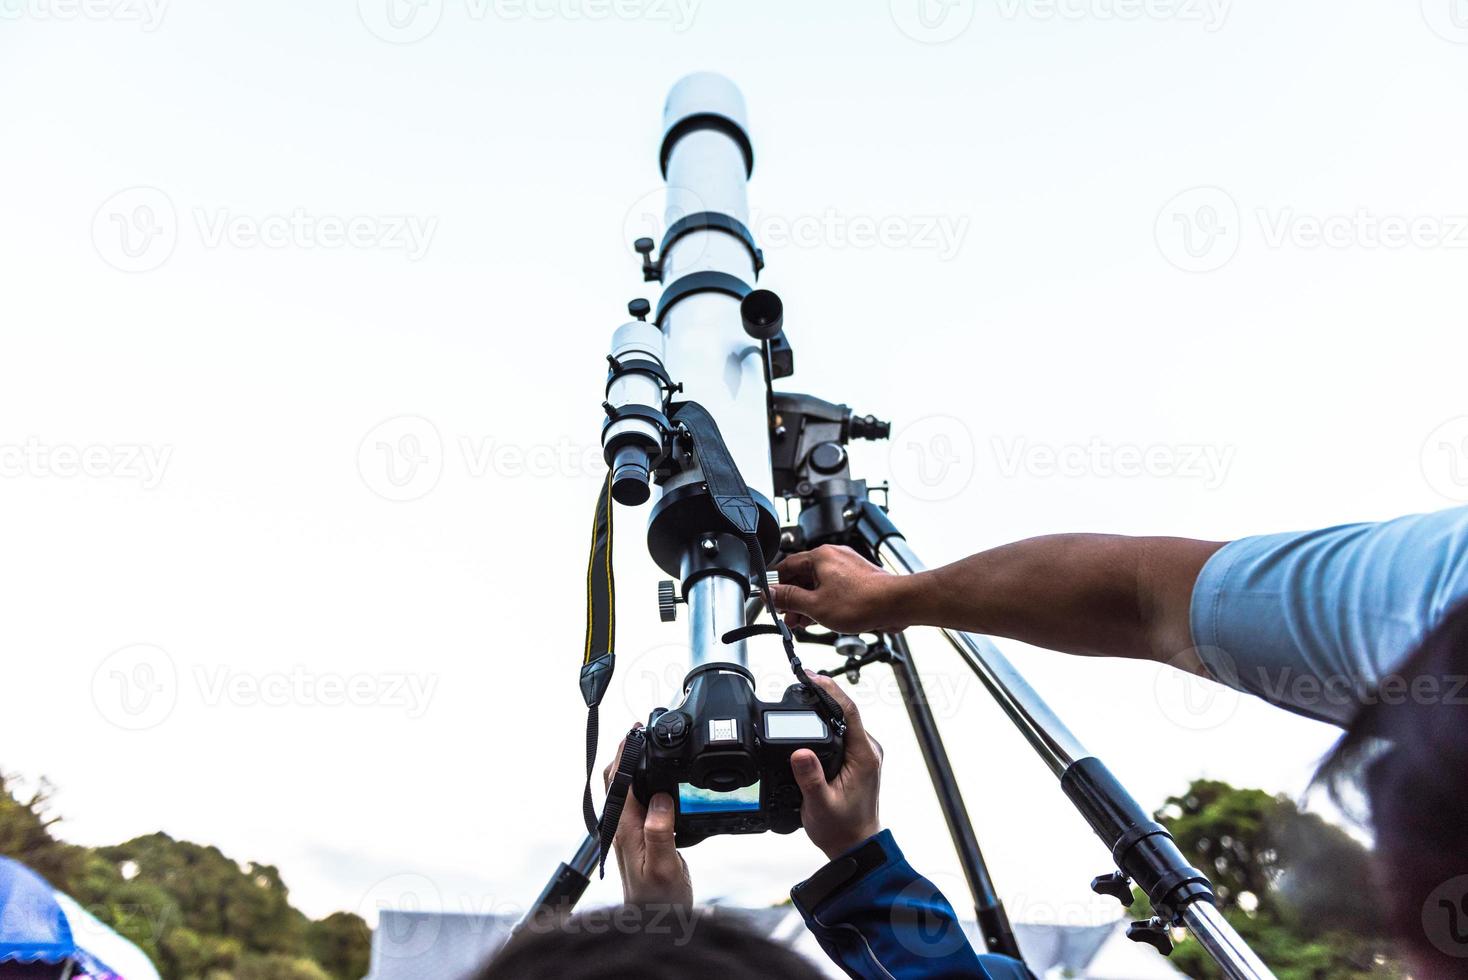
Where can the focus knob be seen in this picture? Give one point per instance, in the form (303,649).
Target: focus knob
(828,458)
(667,601)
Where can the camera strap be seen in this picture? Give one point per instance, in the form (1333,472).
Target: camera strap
(732,497)
(597,662)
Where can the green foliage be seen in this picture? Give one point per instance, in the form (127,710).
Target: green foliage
(1291,883)
(341,943)
(275,966)
(211,895)
(1232,833)
(25,828)
(198,914)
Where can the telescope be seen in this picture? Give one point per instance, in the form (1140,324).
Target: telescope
(695,424)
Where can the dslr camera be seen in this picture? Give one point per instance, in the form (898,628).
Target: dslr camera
(723,755)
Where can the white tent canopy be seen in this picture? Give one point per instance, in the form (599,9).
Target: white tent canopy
(101,941)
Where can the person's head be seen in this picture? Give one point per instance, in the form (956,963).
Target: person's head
(1406,751)
(650,942)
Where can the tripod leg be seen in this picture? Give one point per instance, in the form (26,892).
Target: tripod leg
(565,887)
(993,921)
(1141,847)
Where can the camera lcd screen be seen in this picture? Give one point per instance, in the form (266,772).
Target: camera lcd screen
(804,725)
(692,799)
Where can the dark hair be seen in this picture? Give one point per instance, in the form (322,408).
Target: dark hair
(1408,756)
(649,942)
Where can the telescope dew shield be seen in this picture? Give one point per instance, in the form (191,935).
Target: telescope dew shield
(706,157)
(706,270)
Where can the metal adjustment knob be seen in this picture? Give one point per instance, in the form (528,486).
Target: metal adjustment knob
(771,578)
(1153,932)
(827,458)
(667,601)
(639,308)
(652,271)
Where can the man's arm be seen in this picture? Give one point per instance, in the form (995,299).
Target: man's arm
(1092,594)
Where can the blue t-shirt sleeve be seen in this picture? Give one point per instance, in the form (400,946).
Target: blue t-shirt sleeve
(877,917)
(1314,621)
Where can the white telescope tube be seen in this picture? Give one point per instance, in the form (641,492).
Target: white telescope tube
(705,346)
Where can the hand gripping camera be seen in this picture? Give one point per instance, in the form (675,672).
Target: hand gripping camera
(724,755)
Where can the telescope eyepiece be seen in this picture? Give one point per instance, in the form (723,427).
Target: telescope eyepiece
(631,472)
(867,427)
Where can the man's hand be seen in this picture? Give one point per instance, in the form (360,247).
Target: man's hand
(653,872)
(840,814)
(840,590)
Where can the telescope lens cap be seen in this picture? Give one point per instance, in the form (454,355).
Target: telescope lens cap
(763,314)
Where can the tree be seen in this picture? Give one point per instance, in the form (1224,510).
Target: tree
(1232,833)
(276,966)
(341,943)
(196,913)
(213,895)
(1288,881)
(25,833)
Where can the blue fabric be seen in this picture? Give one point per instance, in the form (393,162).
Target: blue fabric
(893,922)
(32,926)
(1317,621)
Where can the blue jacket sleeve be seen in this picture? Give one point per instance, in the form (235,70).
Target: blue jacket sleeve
(878,918)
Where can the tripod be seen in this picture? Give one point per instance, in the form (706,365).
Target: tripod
(724,342)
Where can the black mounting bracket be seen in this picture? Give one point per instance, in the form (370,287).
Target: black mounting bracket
(652,268)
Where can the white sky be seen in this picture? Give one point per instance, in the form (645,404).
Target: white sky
(1048,140)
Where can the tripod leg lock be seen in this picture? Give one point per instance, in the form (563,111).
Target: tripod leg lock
(1116,884)
(1143,849)
(1153,932)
